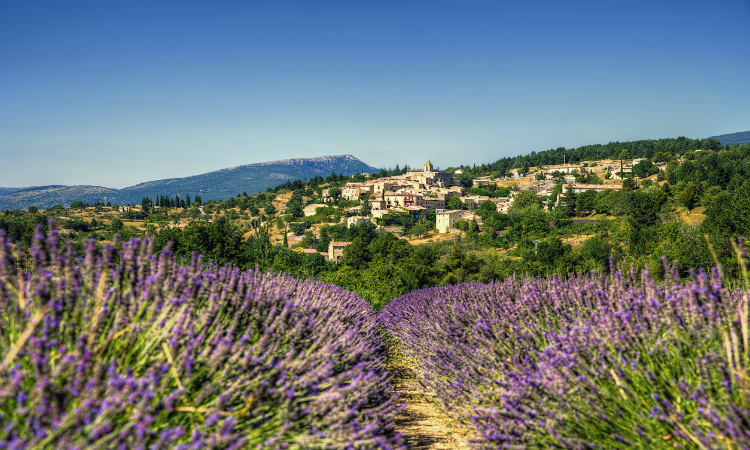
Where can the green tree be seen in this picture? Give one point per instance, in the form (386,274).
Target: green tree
(420,229)
(334,193)
(527,198)
(624,156)
(356,254)
(728,216)
(586,201)
(455,203)
(569,202)
(689,196)
(629,184)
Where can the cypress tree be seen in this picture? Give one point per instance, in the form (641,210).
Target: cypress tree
(187,200)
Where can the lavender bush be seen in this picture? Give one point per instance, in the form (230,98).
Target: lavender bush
(592,362)
(132,350)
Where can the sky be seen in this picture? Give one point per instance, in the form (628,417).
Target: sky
(113,93)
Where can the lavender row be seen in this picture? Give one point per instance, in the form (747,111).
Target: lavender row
(592,362)
(133,350)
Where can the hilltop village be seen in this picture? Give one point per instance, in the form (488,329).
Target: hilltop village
(440,196)
(385,233)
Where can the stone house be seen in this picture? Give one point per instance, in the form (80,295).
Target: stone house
(502,204)
(568,169)
(398,199)
(418,212)
(433,203)
(351,191)
(310,210)
(377,205)
(336,250)
(356,220)
(446,219)
(578,188)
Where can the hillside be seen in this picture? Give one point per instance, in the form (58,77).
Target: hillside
(740,138)
(218,185)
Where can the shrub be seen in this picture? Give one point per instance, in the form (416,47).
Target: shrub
(592,362)
(129,350)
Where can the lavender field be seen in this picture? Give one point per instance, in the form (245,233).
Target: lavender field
(142,351)
(136,350)
(591,362)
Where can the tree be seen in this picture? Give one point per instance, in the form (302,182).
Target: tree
(334,193)
(77,205)
(689,196)
(569,202)
(365,209)
(187,200)
(624,155)
(295,209)
(455,203)
(420,229)
(729,215)
(586,201)
(645,169)
(629,184)
(487,208)
(356,254)
(524,199)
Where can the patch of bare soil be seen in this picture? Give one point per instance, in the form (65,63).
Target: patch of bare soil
(422,424)
(431,237)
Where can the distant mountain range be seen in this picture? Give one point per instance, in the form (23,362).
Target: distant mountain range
(741,137)
(218,185)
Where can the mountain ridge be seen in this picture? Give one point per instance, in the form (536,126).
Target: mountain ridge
(740,137)
(216,185)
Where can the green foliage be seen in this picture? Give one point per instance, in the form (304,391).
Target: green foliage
(525,199)
(586,202)
(455,203)
(689,196)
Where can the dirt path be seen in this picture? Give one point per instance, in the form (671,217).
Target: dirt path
(423,425)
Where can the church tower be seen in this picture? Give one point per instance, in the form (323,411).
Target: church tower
(428,167)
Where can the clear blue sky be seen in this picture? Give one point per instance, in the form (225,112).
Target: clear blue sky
(113,93)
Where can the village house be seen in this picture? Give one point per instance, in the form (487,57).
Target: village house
(356,220)
(336,250)
(578,188)
(310,210)
(615,173)
(446,219)
(502,204)
(397,199)
(416,212)
(377,205)
(433,203)
(351,191)
(568,169)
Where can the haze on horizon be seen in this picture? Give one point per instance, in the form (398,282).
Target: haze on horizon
(118,93)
